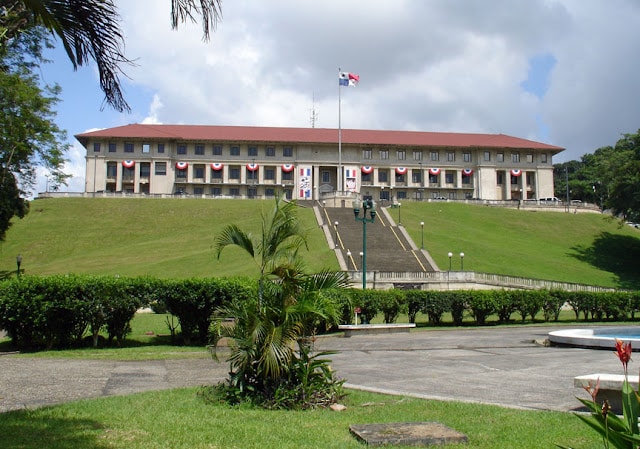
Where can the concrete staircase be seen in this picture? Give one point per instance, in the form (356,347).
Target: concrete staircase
(388,247)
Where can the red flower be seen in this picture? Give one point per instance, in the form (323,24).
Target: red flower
(593,391)
(623,351)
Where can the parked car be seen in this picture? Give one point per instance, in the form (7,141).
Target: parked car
(550,200)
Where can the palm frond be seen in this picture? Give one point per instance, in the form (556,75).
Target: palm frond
(210,12)
(233,235)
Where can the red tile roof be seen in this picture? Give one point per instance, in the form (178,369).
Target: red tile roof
(315,135)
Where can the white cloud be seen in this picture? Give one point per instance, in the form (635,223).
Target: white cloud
(436,65)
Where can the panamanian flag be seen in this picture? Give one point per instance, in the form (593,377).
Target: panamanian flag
(348,79)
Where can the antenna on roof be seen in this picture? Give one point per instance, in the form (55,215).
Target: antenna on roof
(314,115)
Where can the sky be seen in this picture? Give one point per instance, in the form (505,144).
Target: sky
(563,72)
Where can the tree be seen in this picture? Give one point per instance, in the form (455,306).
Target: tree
(90,31)
(264,333)
(28,135)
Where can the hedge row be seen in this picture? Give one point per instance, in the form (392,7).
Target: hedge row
(59,311)
(481,304)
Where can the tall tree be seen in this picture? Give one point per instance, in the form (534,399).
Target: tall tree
(90,31)
(29,136)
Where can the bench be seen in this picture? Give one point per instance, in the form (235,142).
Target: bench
(369,329)
(610,387)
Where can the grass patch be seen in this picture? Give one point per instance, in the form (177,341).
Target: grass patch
(180,419)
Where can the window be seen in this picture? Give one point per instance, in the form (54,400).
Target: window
(384,154)
(451,156)
(515,180)
(499,178)
(500,157)
(466,156)
(487,156)
(198,190)
(216,174)
(270,174)
(448,178)
(270,151)
(384,195)
(269,192)
(217,150)
(160,168)
(198,171)
(433,179)
(288,176)
(234,191)
(400,179)
(366,153)
(529,179)
(252,175)
(235,150)
(146,148)
(287,152)
(326,177)
(530,158)
(182,149)
(466,180)
(128,147)
(96,147)
(112,169)
(160,148)
(543,158)
(367,177)
(216,191)
(199,149)
(383,176)
(515,157)
(181,174)
(402,195)
(145,169)
(112,147)
(434,155)
(401,155)
(417,155)
(234,173)
(252,152)
(416,176)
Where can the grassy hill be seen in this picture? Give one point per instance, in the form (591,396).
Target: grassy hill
(175,238)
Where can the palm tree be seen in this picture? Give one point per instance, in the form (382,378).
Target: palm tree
(89,30)
(267,335)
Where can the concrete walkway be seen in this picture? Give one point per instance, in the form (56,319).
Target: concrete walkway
(502,365)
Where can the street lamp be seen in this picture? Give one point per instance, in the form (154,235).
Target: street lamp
(18,262)
(422,234)
(450,256)
(399,215)
(367,205)
(348,257)
(336,228)
(461,261)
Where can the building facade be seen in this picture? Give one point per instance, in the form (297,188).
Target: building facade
(315,163)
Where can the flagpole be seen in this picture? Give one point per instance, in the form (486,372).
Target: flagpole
(339,136)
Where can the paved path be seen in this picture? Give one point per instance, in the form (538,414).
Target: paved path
(501,365)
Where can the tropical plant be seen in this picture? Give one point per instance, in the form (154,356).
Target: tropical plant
(619,432)
(271,336)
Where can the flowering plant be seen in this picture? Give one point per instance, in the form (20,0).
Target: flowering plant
(618,432)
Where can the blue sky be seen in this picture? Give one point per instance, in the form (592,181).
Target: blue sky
(561,72)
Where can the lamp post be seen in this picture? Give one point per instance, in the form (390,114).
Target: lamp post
(336,228)
(422,235)
(450,256)
(399,215)
(348,257)
(461,261)
(366,205)
(18,262)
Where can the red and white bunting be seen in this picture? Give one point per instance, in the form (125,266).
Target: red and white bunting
(128,164)
(252,167)
(287,168)
(401,170)
(516,172)
(434,171)
(367,169)
(467,172)
(216,166)
(181,165)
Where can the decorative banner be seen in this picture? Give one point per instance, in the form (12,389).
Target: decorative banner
(181,165)
(128,164)
(516,172)
(351,179)
(287,167)
(367,169)
(305,183)
(434,171)
(401,170)
(216,166)
(467,172)
(252,167)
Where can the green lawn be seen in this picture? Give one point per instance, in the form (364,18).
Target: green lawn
(174,238)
